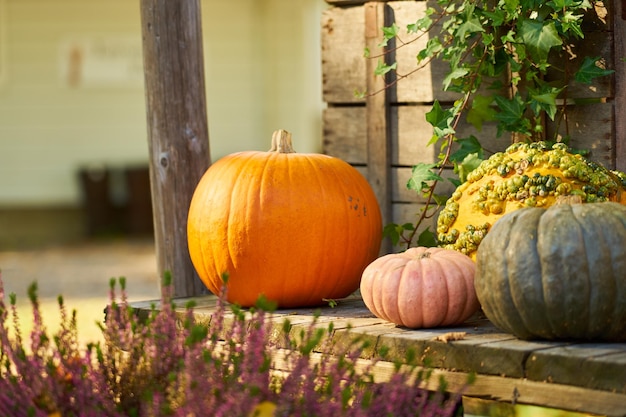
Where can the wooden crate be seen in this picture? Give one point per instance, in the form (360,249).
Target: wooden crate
(385,134)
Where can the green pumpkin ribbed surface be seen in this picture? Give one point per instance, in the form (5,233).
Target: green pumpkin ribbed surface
(556,273)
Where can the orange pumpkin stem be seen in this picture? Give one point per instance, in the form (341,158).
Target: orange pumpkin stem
(281,142)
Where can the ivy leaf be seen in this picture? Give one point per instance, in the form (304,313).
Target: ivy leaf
(496,16)
(510,109)
(454,74)
(467,147)
(570,22)
(561,4)
(539,38)
(389,32)
(390,230)
(423,23)
(589,70)
(470,26)
(511,112)
(481,111)
(440,119)
(394,231)
(359,94)
(544,100)
(440,200)
(510,6)
(420,175)
(455,181)
(469,163)
(427,239)
(382,68)
(433,47)
(509,36)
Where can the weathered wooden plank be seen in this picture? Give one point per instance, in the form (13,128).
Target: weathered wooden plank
(506,356)
(411,133)
(423,82)
(484,349)
(507,390)
(455,356)
(483,354)
(377,115)
(202,303)
(473,406)
(399,190)
(604,366)
(473,353)
(342,54)
(590,127)
(372,334)
(345,133)
(178,134)
(409,212)
(557,396)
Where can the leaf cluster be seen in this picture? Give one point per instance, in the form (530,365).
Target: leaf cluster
(511,63)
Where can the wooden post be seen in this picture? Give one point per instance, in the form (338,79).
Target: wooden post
(377,117)
(619,29)
(177,128)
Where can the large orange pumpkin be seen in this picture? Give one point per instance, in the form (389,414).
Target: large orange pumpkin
(297,228)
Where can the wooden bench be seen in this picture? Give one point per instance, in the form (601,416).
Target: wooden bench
(581,377)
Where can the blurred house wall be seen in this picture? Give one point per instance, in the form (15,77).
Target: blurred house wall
(72,97)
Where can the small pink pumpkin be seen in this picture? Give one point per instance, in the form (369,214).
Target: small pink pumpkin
(421,287)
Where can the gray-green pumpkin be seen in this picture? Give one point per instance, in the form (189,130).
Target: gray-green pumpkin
(556,273)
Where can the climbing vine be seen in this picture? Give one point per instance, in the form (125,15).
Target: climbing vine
(502,63)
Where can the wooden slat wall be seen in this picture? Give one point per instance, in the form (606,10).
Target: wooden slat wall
(350,120)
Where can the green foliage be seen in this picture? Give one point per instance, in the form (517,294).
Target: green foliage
(589,70)
(420,176)
(395,231)
(331,302)
(426,239)
(467,165)
(506,61)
